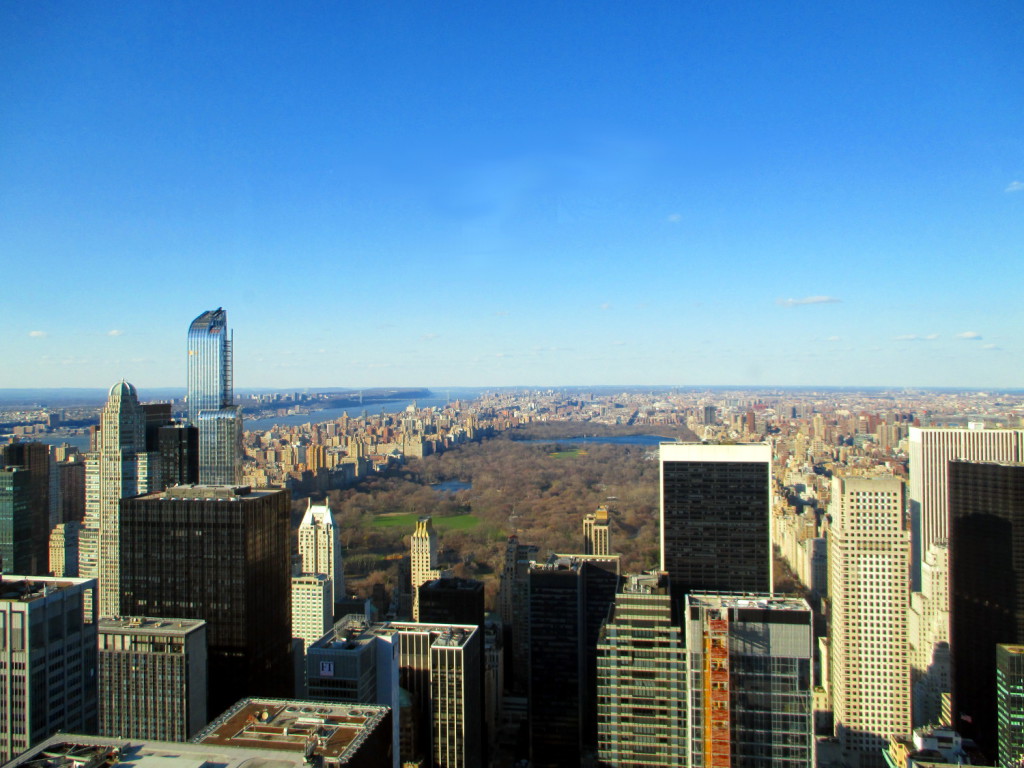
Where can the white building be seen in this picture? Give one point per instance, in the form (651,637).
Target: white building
(312,607)
(869,565)
(47,660)
(320,548)
(423,556)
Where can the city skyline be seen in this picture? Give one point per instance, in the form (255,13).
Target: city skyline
(509,196)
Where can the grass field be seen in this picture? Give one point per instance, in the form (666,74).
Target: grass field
(408,520)
(570,454)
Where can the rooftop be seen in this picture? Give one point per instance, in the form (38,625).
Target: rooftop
(24,589)
(212,492)
(146,625)
(763,602)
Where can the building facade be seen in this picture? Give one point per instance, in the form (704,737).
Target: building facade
(16,552)
(47,660)
(423,560)
(641,678)
(34,458)
(211,406)
(749,666)
(320,548)
(312,607)
(716,517)
(235,541)
(64,549)
(597,533)
(1010,704)
(152,678)
(869,587)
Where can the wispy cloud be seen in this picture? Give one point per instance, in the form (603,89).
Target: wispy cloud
(809,300)
(428,337)
(501,313)
(834,338)
(674,218)
(38,334)
(605,306)
(931,337)
(115,332)
(1015,186)
(969,335)
(990,346)
(907,337)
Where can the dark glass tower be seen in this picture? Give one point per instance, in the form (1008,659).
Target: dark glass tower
(715,517)
(211,405)
(35,458)
(221,554)
(986,584)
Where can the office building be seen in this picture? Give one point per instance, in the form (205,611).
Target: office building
(211,406)
(514,606)
(423,560)
(16,552)
(928,626)
(235,543)
(986,505)
(641,678)
(178,445)
(570,596)
(1010,704)
(70,489)
(34,458)
(750,683)
(451,600)
(930,450)
(597,533)
(320,548)
(64,549)
(152,678)
(716,517)
(47,660)
(119,467)
(869,565)
(312,607)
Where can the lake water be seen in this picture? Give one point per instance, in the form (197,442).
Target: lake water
(330,414)
(451,486)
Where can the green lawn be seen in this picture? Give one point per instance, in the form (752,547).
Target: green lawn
(570,454)
(408,520)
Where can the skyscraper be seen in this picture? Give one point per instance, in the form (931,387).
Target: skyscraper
(716,516)
(35,459)
(423,556)
(120,467)
(1010,704)
(211,405)
(596,533)
(320,548)
(986,582)
(16,554)
(234,542)
(869,564)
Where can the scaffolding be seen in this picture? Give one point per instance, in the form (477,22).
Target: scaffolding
(717,739)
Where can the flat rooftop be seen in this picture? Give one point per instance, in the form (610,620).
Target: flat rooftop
(353,630)
(25,589)
(212,492)
(756,601)
(147,625)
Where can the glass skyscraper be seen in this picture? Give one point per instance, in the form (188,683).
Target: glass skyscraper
(211,405)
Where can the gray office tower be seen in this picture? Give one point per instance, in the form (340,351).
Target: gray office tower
(716,517)
(211,405)
(986,584)
(749,666)
(218,553)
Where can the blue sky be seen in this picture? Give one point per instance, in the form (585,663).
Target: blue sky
(510,194)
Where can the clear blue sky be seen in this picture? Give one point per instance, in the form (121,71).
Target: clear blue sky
(514,193)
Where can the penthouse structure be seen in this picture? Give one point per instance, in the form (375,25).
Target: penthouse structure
(320,548)
(750,682)
(597,533)
(152,678)
(423,560)
(47,659)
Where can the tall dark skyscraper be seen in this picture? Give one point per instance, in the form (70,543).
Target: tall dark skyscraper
(218,553)
(35,459)
(986,584)
(211,405)
(716,517)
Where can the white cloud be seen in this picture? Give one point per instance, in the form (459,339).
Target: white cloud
(38,334)
(674,218)
(618,343)
(834,338)
(1015,186)
(115,332)
(907,337)
(428,337)
(809,300)
(931,336)
(990,346)
(969,335)
(605,307)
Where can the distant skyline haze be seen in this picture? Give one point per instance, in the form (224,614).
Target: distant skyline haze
(527,194)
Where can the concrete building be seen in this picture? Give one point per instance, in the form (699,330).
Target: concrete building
(211,406)
(716,517)
(869,565)
(64,549)
(597,533)
(986,506)
(928,626)
(152,678)
(119,468)
(423,560)
(641,678)
(235,542)
(47,660)
(312,607)
(320,548)
(16,552)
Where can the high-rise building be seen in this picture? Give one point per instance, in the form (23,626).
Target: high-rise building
(451,600)
(64,549)
(716,517)
(1010,704)
(16,555)
(929,638)
(211,405)
(120,467)
(514,605)
(320,548)
(178,445)
(312,607)
(423,560)
(234,542)
(750,682)
(986,582)
(570,596)
(70,487)
(152,678)
(597,533)
(930,450)
(34,458)
(869,565)
(641,678)
(47,660)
